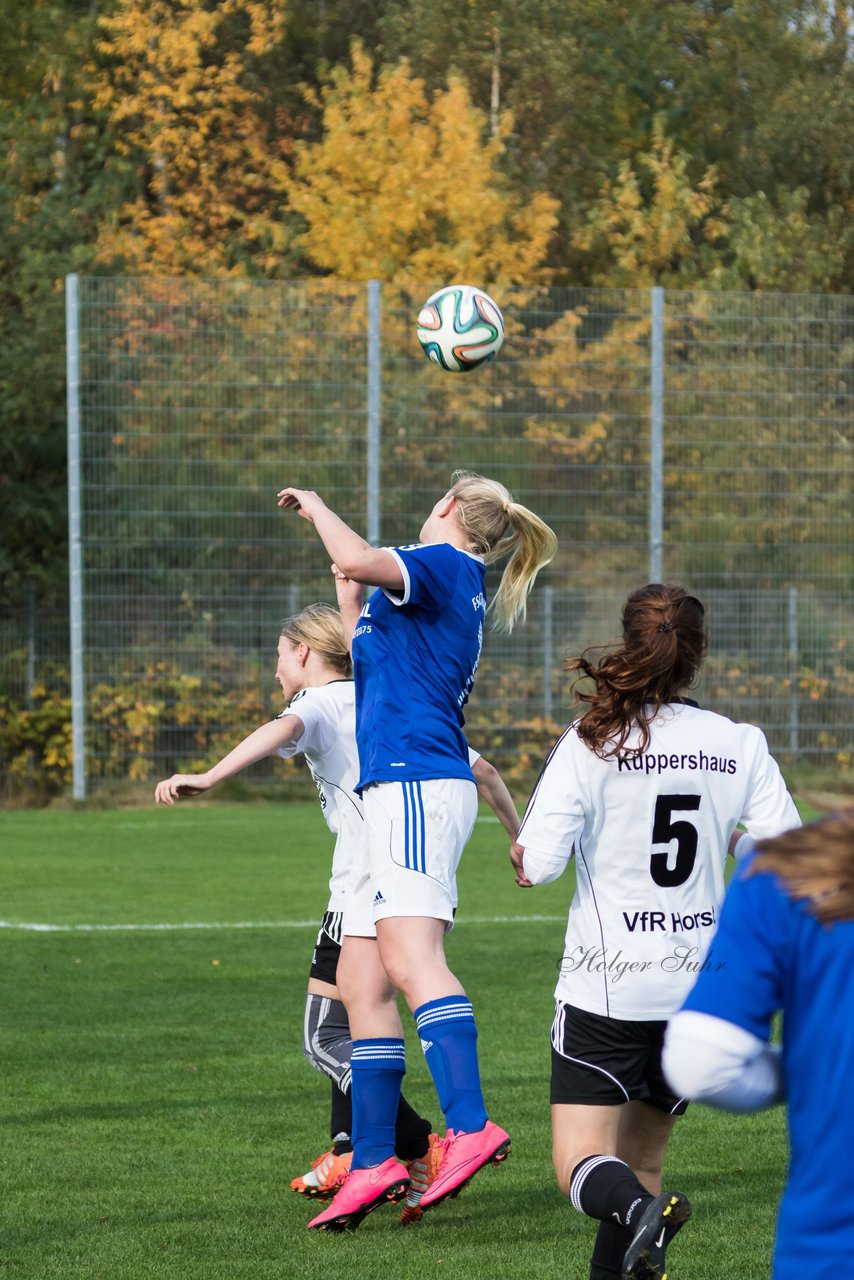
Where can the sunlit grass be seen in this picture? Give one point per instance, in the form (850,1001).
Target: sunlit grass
(156,1103)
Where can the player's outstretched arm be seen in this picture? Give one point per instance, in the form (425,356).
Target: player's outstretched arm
(492,787)
(350,596)
(264,741)
(355,557)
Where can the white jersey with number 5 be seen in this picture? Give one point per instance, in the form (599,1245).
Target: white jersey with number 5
(650,834)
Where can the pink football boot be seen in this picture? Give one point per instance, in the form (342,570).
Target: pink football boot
(463,1155)
(361,1191)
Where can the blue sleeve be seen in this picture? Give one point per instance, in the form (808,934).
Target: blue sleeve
(742,979)
(430,574)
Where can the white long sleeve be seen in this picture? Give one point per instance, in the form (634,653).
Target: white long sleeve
(716,1062)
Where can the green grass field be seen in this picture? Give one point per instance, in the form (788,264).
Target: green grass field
(156,1103)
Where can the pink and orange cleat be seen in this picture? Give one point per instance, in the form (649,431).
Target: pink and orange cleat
(462,1155)
(422,1173)
(324,1177)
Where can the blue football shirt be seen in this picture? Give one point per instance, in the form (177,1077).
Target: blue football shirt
(415,654)
(769,954)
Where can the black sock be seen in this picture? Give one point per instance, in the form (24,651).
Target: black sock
(341,1121)
(411,1133)
(606,1262)
(604,1187)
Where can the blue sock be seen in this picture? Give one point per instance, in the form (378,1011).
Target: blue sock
(377,1067)
(449,1040)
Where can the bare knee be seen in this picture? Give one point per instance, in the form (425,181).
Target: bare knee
(361,979)
(565,1164)
(580,1131)
(402,971)
(563,1168)
(642,1142)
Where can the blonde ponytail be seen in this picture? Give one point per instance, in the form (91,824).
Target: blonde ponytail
(486,511)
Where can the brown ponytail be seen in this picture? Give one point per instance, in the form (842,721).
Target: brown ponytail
(664,640)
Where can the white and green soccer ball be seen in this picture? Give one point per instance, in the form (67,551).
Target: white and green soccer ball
(460,328)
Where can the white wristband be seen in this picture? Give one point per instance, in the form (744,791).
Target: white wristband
(743,846)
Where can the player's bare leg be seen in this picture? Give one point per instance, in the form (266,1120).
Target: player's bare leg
(367,992)
(608,1160)
(413,953)
(371,1003)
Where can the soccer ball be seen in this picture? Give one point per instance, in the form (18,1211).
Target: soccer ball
(460,328)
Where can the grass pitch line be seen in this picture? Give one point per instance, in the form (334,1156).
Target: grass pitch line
(22,926)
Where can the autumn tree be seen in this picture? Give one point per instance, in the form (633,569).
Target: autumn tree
(785,245)
(178,81)
(761,94)
(404,185)
(52,190)
(652,224)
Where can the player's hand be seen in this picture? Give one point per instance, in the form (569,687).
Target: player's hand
(305,502)
(180,787)
(517,853)
(348,591)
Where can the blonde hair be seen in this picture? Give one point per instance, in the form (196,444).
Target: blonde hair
(320,627)
(815,864)
(485,511)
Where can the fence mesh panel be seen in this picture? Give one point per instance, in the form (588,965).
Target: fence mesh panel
(198,401)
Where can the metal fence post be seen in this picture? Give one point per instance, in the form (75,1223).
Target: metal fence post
(656,437)
(374,374)
(793,671)
(548,649)
(75,548)
(30,677)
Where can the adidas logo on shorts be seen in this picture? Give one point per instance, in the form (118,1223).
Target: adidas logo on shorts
(379,900)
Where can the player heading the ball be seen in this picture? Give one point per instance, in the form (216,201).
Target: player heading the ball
(416,648)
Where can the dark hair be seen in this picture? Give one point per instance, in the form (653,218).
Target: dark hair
(815,864)
(664,640)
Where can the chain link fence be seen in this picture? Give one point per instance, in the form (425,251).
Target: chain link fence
(700,438)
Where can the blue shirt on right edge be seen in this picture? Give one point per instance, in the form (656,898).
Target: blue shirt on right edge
(774,955)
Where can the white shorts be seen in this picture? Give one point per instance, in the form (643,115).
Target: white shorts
(413,838)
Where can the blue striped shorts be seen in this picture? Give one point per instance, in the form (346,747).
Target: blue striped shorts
(413,838)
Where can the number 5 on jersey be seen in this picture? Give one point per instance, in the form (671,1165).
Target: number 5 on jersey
(664,831)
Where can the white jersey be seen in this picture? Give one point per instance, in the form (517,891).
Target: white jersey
(328,743)
(650,834)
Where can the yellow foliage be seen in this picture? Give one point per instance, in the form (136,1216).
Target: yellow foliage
(404,187)
(174,85)
(649,220)
(578,380)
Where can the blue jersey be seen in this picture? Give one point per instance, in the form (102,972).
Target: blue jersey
(415,654)
(769,953)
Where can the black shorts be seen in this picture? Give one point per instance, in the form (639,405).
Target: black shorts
(602,1062)
(327,949)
